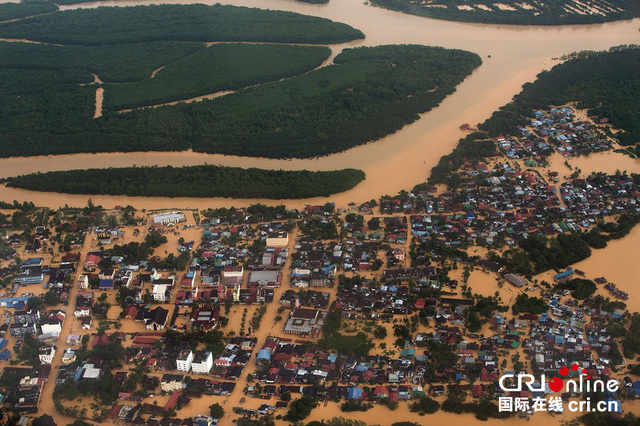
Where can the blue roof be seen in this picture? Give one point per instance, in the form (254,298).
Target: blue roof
(355,393)
(3,343)
(32,261)
(5,355)
(563,274)
(105,284)
(264,354)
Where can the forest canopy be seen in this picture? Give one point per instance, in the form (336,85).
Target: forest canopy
(10,11)
(216,68)
(118,25)
(194,181)
(369,93)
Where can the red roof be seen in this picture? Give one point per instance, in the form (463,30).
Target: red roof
(172,401)
(141,340)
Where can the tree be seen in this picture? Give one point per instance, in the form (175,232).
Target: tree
(216,411)
(374,224)
(300,409)
(35,303)
(380,332)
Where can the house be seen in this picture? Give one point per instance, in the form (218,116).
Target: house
(46,354)
(83,281)
(516,280)
(202,362)
(204,319)
(68,356)
(91,263)
(172,382)
(184,361)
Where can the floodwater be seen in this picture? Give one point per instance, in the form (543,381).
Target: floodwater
(399,161)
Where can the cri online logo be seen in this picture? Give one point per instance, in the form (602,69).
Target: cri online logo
(556,384)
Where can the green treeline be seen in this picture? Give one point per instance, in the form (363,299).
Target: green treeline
(219,67)
(369,93)
(546,12)
(116,25)
(194,181)
(10,11)
(537,254)
(112,63)
(606,83)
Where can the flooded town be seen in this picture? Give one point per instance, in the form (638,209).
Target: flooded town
(401,305)
(473,276)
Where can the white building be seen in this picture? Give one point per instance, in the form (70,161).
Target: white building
(184,360)
(83,281)
(162,293)
(82,312)
(46,354)
(68,356)
(169,218)
(202,362)
(278,239)
(52,326)
(172,382)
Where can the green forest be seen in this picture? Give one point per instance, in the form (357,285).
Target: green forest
(368,94)
(10,11)
(193,181)
(545,12)
(118,25)
(606,83)
(112,63)
(219,67)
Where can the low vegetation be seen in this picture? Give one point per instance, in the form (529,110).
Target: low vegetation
(194,181)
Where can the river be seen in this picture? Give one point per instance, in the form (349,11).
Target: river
(400,160)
